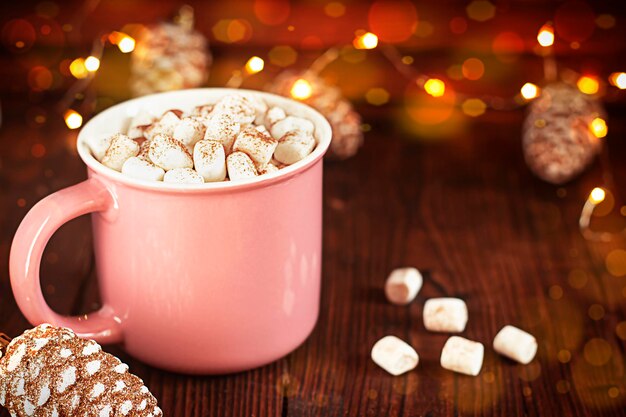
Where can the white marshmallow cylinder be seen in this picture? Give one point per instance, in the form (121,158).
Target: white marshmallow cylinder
(462,355)
(394,355)
(222,128)
(182,176)
(402,285)
(188,132)
(99,145)
(168,153)
(291,124)
(273,115)
(238,106)
(240,166)
(121,148)
(210,160)
(164,126)
(258,145)
(142,169)
(515,344)
(293,147)
(445,314)
(139,123)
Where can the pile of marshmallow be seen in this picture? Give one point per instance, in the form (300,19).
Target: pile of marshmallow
(238,137)
(444,315)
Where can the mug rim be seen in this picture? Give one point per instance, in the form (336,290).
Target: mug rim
(323,137)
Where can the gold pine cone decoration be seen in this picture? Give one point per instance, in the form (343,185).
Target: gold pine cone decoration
(328,100)
(557,140)
(169,57)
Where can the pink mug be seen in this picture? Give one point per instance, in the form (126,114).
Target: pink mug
(203,279)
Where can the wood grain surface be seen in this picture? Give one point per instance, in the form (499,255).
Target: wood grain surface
(466,212)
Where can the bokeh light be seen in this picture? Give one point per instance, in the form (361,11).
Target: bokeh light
(393,20)
(377,96)
(40,78)
(92,64)
(481,10)
(574,21)
(529,91)
(458,25)
(18,35)
(618,79)
(232,30)
(598,127)
(597,352)
(335,9)
(577,278)
(605,21)
(424,29)
(255,64)
(545,37)
(73,119)
(78,69)
(126,44)
(272,12)
(435,87)
(555,292)
(428,110)
(620,330)
(474,107)
(507,46)
(596,312)
(616,262)
(473,69)
(564,356)
(367,40)
(301,89)
(282,55)
(588,84)
(597,195)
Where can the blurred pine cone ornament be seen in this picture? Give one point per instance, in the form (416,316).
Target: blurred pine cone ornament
(557,138)
(170,56)
(309,88)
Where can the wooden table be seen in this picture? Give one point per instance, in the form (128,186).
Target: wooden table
(466,212)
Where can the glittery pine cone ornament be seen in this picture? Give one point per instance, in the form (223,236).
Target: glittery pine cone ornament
(170,56)
(328,100)
(558,140)
(49,371)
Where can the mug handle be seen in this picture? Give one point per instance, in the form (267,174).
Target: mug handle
(27,248)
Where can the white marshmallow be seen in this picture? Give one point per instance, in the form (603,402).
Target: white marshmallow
(462,355)
(122,147)
(143,150)
(199,111)
(291,124)
(268,169)
(273,115)
(99,145)
(164,126)
(238,106)
(259,106)
(258,145)
(240,166)
(168,153)
(445,315)
(222,128)
(210,160)
(394,355)
(293,147)
(142,169)
(189,131)
(139,124)
(182,176)
(516,344)
(403,285)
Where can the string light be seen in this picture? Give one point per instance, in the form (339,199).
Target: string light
(588,85)
(73,119)
(78,69)
(301,89)
(545,37)
(254,65)
(598,127)
(597,195)
(618,79)
(435,87)
(367,40)
(529,91)
(92,63)
(126,44)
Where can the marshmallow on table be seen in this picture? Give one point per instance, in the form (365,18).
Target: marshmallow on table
(240,166)
(139,124)
(462,355)
(403,285)
(294,146)
(223,128)
(164,126)
(273,115)
(168,153)
(99,145)
(209,160)
(515,344)
(122,147)
(189,131)
(143,169)
(258,145)
(291,124)
(445,315)
(394,355)
(238,106)
(182,176)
